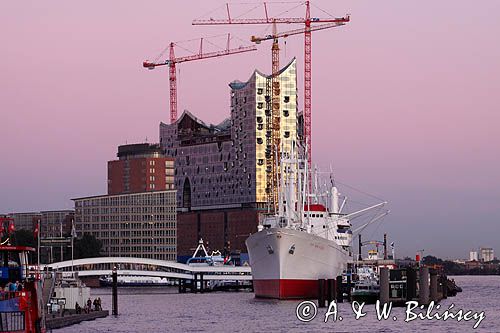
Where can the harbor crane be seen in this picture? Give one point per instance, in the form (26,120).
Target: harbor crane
(172,61)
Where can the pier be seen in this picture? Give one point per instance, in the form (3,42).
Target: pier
(72,318)
(396,286)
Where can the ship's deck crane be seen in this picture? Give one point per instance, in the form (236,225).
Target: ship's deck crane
(172,61)
(307,21)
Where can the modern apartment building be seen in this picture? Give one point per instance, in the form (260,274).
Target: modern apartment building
(25,220)
(54,223)
(131,225)
(487,254)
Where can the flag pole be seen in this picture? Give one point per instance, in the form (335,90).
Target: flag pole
(72,244)
(61,233)
(38,247)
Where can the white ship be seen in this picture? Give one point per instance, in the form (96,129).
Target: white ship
(135,281)
(308,238)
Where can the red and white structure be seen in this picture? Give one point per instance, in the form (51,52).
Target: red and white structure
(308,22)
(302,242)
(173,60)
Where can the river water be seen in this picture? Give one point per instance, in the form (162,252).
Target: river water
(164,310)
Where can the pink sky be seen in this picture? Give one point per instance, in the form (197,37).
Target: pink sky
(405,103)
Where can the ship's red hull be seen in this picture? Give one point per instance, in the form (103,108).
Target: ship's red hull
(287,263)
(286,288)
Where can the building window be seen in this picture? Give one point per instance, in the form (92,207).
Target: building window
(152,186)
(287,99)
(260,105)
(151,170)
(260,126)
(259,141)
(260,91)
(152,163)
(260,161)
(287,134)
(259,120)
(286,113)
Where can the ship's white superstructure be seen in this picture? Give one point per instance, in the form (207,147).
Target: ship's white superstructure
(306,239)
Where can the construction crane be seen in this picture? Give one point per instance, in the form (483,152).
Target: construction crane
(273,122)
(273,126)
(285,34)
(172,61)
(307,21)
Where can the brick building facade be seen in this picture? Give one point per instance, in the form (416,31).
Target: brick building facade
(140,167)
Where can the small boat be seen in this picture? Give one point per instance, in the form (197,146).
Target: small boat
(136,281)
(367,288)
(366,291)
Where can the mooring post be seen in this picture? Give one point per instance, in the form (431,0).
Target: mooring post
(434,286)
(321,293)
(411,284)
(384,285)
(445,285)
(331,293)
(423,290)
(340,292)
(114,305)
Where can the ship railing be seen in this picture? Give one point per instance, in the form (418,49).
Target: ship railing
(6,295)
(12,321)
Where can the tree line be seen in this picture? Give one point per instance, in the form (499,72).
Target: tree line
(86,246)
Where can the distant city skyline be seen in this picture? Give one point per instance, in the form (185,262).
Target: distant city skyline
(405,104)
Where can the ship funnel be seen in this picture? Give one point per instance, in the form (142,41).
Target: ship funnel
(335,200)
